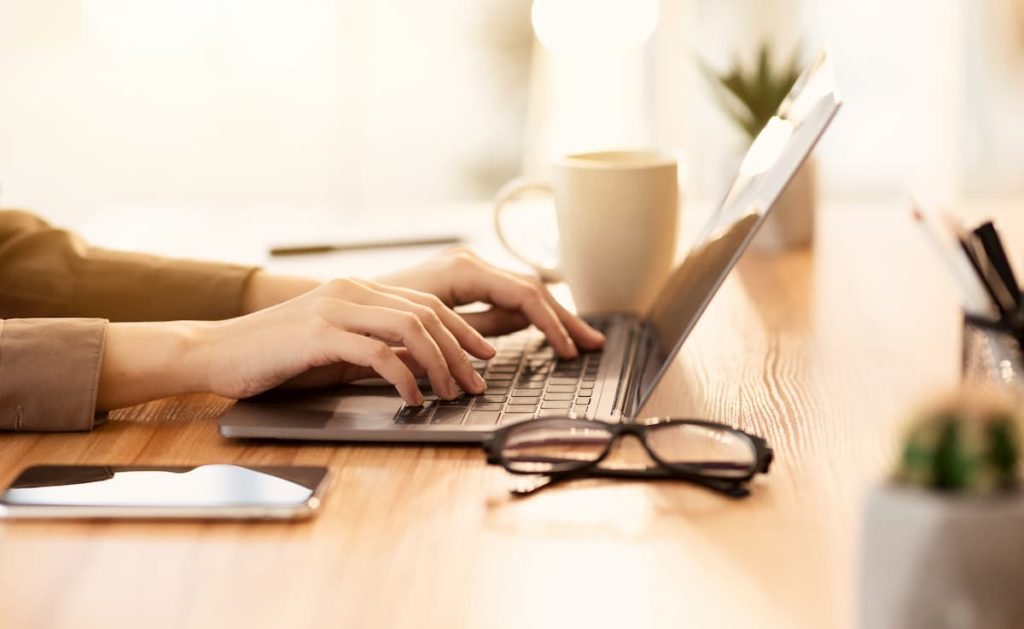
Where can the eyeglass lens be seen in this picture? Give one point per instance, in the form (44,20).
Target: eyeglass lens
(554,445)
(706,450)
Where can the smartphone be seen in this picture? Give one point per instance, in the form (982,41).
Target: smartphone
(219,492)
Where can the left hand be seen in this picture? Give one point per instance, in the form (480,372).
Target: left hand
(461,277)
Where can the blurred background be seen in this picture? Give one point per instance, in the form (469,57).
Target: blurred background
(362,108)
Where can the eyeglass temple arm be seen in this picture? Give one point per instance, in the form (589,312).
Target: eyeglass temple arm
(731,489)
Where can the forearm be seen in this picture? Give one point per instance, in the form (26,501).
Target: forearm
(148,361)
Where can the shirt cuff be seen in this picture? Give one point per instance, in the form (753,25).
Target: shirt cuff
(49,373)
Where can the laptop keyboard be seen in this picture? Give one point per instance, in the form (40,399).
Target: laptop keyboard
(524,380)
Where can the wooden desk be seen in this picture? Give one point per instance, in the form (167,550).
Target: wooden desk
(821,353)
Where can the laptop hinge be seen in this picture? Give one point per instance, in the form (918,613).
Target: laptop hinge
(633,372)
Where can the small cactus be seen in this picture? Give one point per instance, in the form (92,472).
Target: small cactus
(968,443)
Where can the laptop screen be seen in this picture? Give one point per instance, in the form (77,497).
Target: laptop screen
(770,162)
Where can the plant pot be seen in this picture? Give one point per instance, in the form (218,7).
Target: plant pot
(790,224)
(941,561)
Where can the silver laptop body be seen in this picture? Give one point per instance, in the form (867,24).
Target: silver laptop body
(612,385)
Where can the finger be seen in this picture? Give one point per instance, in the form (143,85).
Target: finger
(359,373)
(512,293)
(456,361)
(396,326)
(496,321)
(478,281)
(580,331)
(366,352)
(465,334)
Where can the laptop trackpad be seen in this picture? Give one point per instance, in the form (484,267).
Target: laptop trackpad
(352,407)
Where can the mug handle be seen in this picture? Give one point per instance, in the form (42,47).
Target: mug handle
(508,193)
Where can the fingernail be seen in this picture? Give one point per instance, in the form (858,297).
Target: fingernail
(479,381)
(417,399)
(453,387)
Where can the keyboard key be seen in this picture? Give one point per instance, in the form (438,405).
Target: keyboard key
(496,399)
(461,401)
(496,390)
(521,408)
(509,369)
(486,406)
(549,405)
(514,418)
(527,393)
(561,388)
(558,397)
(482,417)
(522,386)
(530,377)
(571,381)
(449,415)
(415,414)
(580,409)
(553,413)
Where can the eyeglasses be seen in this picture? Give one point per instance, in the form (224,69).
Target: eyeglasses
(557,449)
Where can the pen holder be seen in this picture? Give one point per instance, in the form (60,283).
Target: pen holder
(991,354)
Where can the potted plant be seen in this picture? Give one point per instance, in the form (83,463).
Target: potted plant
(750,97)
(943,542)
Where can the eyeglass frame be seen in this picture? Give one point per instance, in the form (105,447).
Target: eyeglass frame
(732,486)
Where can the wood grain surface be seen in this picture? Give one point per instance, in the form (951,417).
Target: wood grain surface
(821,352)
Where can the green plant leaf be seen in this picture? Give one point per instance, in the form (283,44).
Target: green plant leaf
(750,97)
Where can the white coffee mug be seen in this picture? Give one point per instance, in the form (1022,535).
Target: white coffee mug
(617,213)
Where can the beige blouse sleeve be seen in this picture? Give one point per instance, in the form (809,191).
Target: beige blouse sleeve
(48,272)
(49,371)
(56,296)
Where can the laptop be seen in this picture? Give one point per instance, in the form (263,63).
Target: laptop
(525,379)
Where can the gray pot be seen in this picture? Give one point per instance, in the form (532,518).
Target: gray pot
(940,561)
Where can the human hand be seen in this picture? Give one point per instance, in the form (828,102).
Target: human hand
(341,331)
(461,277)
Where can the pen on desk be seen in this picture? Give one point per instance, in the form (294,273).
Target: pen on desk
(973,296)
(287,250)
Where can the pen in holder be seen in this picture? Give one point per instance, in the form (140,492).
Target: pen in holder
(991,353)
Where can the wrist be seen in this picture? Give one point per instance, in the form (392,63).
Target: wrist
(263,290)
(148,361)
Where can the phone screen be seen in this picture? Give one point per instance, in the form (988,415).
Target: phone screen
(202,487)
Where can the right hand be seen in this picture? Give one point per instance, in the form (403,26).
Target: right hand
(345,330)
